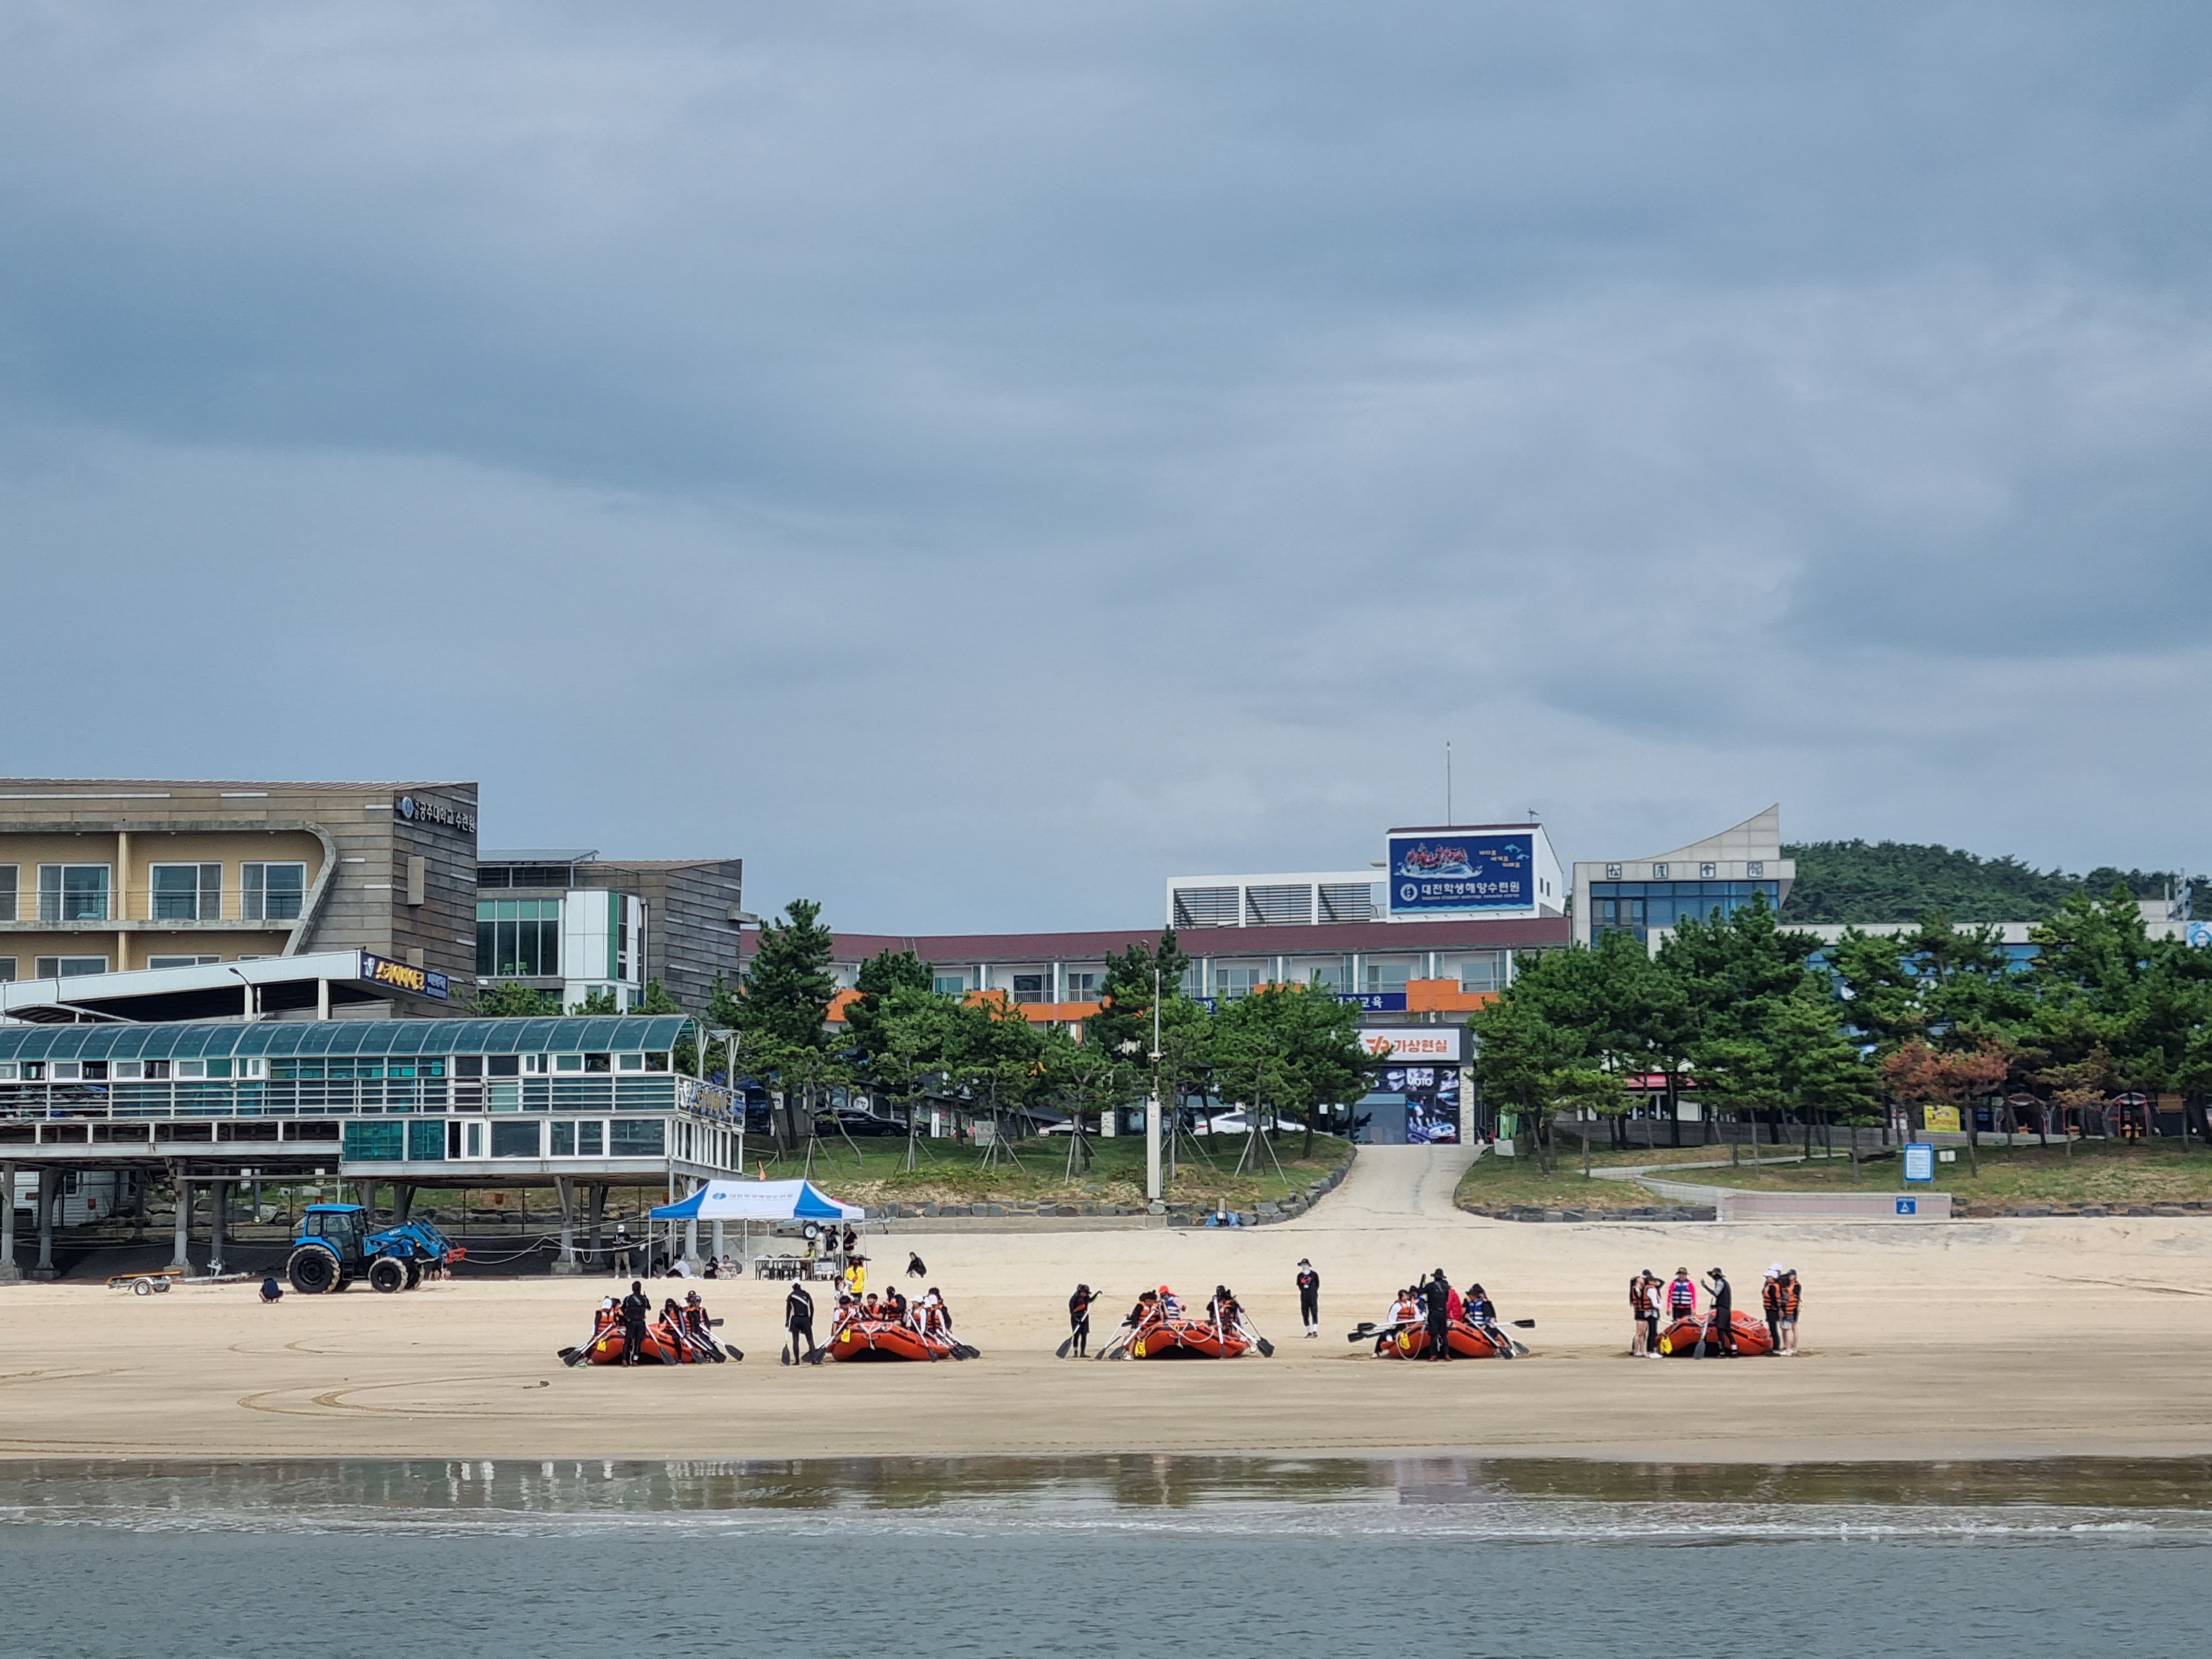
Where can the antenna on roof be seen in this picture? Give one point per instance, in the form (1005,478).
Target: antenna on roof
(1447,782)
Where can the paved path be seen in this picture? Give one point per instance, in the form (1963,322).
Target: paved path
(1391,1186)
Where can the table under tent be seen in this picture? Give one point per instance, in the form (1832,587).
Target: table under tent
(769,1202)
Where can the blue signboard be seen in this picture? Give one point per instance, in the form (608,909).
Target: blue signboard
(1919,1161)
(1908,1207)
(1452,870)
(2198,932)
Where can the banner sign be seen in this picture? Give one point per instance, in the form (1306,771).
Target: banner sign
(404,977)
(1920,1161)
(2198,932)
(1457,871)
(1413,1045)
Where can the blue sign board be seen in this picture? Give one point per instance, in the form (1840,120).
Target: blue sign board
(1919,1161)
(1908,1207)
(1453,870)
(2198,932)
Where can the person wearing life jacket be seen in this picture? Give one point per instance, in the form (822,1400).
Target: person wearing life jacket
(1170,1305)
(894,1305)
(1793,1294)
(1681,1296)
(1770,1305)
(1637,1336)
(847,1311)
(1079,1322)
(938,1313)
(1644,1295)
(856,1276)
(1480,1313)
(1146,1309)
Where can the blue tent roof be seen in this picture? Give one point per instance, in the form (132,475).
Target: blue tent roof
(196,1039)
(758,1201)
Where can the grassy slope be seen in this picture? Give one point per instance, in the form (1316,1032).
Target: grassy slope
(1496,1181)
(949,1172)
(2097,1172)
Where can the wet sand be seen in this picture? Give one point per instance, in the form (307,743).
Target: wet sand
(1938,1340)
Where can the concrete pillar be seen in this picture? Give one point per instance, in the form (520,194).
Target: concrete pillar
(719,1247)
(365,1196)
(137,1205)
(184,1189)
(691,1231)
(402,1201)
(565,1265)
(48,1187)
(8,1271)
(597,1216)
(218,1214)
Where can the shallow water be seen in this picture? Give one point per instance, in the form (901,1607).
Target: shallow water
(1227,1555)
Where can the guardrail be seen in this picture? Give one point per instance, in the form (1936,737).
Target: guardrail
(244,1097)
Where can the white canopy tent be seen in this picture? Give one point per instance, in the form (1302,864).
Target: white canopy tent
(747,1201)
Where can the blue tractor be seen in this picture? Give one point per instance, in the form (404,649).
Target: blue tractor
(334,1247)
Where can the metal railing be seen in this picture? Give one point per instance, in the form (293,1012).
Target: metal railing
(255,1097)
(145,904)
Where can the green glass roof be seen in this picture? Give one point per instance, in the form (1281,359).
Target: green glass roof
(191,1039)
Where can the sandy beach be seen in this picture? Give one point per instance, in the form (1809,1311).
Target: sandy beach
(1976,1339)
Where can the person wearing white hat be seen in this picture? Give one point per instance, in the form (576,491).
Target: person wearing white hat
(1770,1302)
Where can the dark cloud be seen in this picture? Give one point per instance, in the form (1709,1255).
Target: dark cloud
(976,461)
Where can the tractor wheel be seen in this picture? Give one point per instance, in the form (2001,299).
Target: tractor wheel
(414,1275)
(387,1274)
(312,1271)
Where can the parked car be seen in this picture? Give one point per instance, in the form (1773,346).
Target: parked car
(853,1121)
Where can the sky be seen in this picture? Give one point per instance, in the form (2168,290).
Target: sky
(976,461)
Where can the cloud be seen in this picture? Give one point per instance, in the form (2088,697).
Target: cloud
(975,461)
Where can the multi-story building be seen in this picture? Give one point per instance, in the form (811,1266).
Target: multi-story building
(567,921)
(1647,895)
(102,875)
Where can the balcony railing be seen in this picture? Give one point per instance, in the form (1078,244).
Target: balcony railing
(141,904)
(255,1097)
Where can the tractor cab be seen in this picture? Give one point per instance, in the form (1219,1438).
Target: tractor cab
(340,1226)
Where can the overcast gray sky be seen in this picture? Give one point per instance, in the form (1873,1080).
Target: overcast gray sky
(975,461)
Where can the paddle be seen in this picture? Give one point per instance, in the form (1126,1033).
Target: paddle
(1704,1325)
(784,1357)
(1266,1349)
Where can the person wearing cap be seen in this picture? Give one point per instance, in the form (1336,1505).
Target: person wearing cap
(1723,1311)
(1681,1296)
(1079,1322)
(1436,1295)
(1310,1297)
(1653,1287)
(1792,1293)
(1770,1304)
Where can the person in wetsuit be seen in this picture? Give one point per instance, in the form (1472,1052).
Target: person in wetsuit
(799,1320)
(1309,1296)
(1436,1297)
(1078,1322)
(1716,1286)
(634,1308)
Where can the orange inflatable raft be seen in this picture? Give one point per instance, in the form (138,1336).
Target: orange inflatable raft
(662,1344)
(865,1339)
(1465,1341)
(1175,1337)
(1680,1340)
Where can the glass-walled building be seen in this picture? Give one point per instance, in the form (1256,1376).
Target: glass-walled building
(567,921)
(1646,895)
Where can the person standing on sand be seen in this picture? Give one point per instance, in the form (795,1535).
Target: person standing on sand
(634,1307)
(1438,1296)
(799,1320)
(1770,1304)
(1310,1297)
(1793,1294)
(1681,1296)
(1639,1306)
(1653,1298)
(1078,1322)
(1723,1311)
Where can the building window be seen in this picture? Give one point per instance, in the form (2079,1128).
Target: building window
(187,892)
(10,874)
(1613,872)
(180,961)
(1485,971)
(514,1141)
(1230,983)
(622,938)
(1387,978)
(949,985)
(1030,987)
(518,938)
(69,967)
(7,969)
(73,892)
(1079,988)
(273,892)
(637,1137)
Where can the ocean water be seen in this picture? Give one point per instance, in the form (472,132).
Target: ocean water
(1215,1556)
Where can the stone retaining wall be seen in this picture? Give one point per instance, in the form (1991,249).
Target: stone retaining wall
(1175,1214)
(1593,1212)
